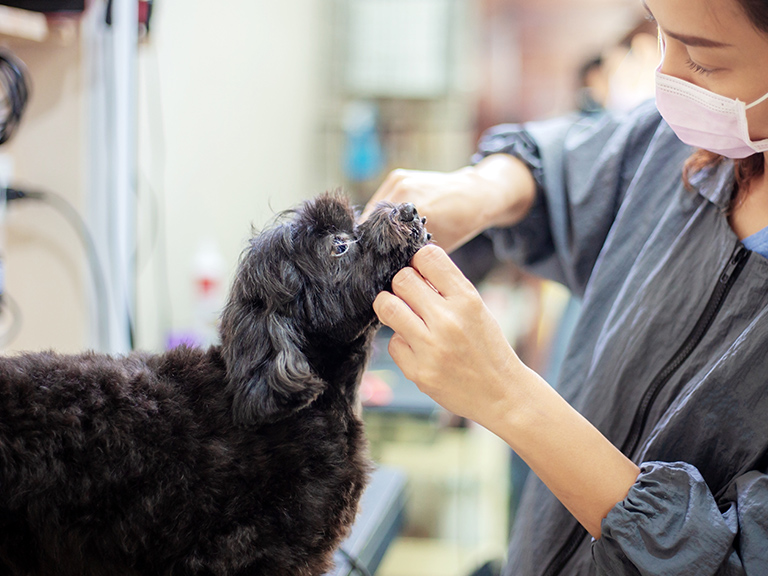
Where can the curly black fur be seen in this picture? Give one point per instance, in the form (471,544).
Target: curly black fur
(246,458)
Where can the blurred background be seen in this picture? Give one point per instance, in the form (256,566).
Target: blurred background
(143,140)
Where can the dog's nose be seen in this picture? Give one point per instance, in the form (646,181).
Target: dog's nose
(408,212)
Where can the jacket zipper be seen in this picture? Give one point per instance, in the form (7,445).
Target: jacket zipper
(729,275)
(727,278)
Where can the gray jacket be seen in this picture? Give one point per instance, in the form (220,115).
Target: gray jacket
(670,355)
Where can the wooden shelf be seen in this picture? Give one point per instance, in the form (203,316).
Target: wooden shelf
(16,23)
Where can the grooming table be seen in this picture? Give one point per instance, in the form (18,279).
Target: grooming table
(379,521)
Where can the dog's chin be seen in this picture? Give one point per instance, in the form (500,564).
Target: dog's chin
(414,234)
(411,241)
(412,237)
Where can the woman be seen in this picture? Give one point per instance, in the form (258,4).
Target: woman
(658,446)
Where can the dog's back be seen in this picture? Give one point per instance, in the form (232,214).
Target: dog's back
(133,465)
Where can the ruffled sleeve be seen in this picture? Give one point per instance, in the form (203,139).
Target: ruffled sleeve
(583,168)
(670,523)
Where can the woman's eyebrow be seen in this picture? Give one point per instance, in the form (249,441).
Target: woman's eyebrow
(697,41)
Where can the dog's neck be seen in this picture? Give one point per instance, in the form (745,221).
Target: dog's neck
(343,364)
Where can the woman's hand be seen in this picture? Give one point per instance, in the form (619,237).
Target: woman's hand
(449,344)
(498,191)
(446,340)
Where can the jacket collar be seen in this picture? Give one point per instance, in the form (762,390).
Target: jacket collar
(716,183)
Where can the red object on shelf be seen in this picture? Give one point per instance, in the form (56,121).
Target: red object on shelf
(374,391)
(145,11)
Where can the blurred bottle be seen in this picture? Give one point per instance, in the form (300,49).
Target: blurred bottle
(208,292)
(363,155)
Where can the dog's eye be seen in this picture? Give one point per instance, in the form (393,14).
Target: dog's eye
(340,246)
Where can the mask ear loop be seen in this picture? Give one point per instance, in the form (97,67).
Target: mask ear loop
(662,47)
(662,44)
(758,101)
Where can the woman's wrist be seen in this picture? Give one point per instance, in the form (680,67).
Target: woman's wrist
(509,189)
(526,407)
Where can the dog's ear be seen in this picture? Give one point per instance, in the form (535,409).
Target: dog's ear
(269,375)
(263,331)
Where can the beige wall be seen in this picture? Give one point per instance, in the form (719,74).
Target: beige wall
(228,95)
(46,273)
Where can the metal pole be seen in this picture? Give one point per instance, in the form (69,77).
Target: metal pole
(110,32)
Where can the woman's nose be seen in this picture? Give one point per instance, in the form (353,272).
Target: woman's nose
(673,59)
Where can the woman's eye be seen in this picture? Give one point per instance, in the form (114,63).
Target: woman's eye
(698,69)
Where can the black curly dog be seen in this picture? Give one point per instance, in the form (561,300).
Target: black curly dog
(246,458)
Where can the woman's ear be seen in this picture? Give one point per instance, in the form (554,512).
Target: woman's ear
(269,375)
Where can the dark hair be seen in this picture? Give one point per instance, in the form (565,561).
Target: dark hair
(745,169)
(757,12)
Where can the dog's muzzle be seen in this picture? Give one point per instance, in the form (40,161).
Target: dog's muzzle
(408,216)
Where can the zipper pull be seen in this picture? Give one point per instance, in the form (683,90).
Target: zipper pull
(739,254)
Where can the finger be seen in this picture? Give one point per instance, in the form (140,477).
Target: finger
(417,293)
(402,354)
(395,313)
(437,268)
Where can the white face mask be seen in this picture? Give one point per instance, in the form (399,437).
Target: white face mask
(706,120)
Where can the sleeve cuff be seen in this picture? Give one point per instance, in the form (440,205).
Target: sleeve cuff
(668,523)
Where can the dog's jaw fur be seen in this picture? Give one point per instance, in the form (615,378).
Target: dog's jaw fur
(248,458)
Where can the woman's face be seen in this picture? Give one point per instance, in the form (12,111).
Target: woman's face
(713,44)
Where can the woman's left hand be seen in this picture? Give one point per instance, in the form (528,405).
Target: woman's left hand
(447,341)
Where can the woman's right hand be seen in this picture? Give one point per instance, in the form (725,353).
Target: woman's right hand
(449,344)
(498,191)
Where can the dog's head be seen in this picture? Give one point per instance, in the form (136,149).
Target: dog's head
(303,295)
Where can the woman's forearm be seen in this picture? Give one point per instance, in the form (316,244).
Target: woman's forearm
(497,191)
(587,473)
(511,189)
